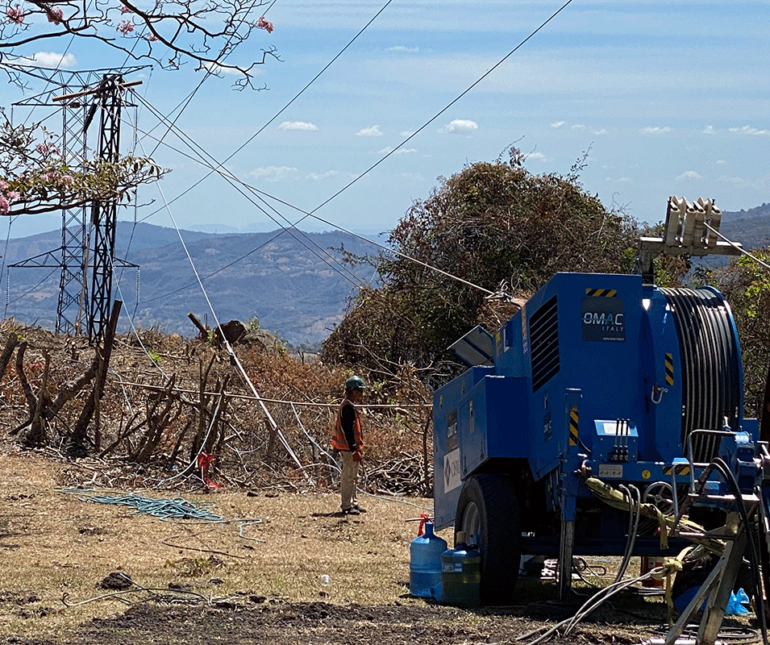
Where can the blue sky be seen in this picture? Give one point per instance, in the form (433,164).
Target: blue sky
(671,98)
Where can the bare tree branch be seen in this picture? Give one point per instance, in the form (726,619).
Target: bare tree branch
(204,32)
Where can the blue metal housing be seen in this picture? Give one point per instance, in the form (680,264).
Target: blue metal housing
(595,371)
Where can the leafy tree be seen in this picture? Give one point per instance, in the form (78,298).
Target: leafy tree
(746,286)
(494,225)
(34,178)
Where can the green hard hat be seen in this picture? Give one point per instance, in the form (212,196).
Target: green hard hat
(355,383)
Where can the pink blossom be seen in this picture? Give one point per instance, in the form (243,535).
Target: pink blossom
(126,27)
(47,148)
(152,38)
(68,179)
(55,14)
(15,14)
(124,9)
(3,185)
(13,196)
(265,24)
(4,205)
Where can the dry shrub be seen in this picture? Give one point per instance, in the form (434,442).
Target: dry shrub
(246,449)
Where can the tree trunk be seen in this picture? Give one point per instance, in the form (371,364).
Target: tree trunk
(80,432)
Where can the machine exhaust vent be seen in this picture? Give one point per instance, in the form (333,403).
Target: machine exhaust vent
(544,343)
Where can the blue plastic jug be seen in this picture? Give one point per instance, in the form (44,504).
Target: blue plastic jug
(425,562)
(461,575)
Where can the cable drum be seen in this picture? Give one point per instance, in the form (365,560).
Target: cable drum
(711,370)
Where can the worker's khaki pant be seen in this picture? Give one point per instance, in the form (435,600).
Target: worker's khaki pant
(348,480)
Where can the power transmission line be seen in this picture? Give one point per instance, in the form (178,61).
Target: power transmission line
(312,214)
(277,114)
(235,183)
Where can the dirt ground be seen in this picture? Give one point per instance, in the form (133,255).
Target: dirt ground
(255,577)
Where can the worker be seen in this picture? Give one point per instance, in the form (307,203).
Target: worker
(348,442)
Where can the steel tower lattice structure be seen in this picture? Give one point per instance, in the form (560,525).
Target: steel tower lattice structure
(104,213)
(93,89)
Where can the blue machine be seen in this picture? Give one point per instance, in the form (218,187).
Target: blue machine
(597,374)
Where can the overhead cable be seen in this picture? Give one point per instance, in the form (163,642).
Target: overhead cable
(281,111)
(230,177)
(184,103)
(391,152)
(739,247)
(228,347)
(234,181)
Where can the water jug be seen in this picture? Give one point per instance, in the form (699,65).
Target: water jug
(461,575)
(425,562)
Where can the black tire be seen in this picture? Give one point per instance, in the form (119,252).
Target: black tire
(489,502)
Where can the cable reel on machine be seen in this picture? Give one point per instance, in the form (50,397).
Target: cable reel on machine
(711,369)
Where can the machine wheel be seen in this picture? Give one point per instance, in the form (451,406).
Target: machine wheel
(488,513)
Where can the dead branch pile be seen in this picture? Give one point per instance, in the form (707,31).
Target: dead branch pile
(164,411)
(403,476)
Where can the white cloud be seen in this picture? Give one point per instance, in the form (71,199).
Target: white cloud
(709,129)
(558,124)
(50,59)
(650,129)
(400,151)
(404,49)
(218,69)
(298,125)
(747,129)
(535,156)
(578,126)
(720,162)
(411,176)
(320,176)
(273,174)
(460,126)
(689,175)
(624,180)
(600,132)
(406,133)
(373,131)
(738,182)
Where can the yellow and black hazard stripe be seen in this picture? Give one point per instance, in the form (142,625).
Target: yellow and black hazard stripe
(681,469)
(601,293)
(573,426)
(669,369)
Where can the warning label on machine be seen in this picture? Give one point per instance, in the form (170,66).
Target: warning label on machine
(603,319)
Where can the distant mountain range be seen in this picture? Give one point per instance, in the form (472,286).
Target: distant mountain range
(751,228)
(294,283)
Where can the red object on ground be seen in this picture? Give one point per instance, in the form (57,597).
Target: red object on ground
(205,459)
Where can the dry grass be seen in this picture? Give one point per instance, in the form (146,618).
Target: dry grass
(56,545)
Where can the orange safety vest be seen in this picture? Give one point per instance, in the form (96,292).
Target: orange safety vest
(338,440)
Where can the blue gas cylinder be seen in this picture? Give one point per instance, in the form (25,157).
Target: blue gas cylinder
(425,562)
(461,575)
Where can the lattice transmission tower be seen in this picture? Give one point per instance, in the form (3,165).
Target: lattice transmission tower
(88,232)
